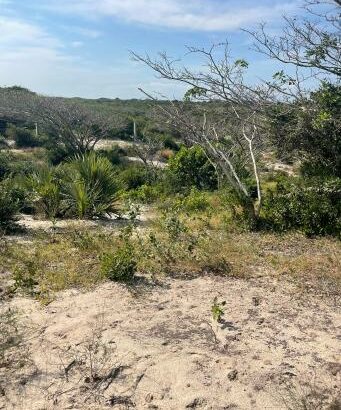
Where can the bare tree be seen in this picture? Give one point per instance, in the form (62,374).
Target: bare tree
(145,146)
(67,123)
(311,41)
(220,112)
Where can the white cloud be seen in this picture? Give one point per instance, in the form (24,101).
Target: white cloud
(32,58)
(203,15)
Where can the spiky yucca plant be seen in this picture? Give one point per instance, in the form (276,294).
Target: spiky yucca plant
(92,188)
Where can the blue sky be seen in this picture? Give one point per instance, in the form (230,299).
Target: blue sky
(81,47)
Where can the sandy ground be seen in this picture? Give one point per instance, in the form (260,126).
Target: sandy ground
(156,346)
(32,224)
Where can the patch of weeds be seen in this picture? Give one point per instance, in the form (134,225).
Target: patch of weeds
(91,366)
(120,265)
(309,396)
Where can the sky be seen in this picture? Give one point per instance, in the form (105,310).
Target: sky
(81,47)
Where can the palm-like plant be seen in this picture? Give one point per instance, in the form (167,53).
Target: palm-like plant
(45,186)
(92,189)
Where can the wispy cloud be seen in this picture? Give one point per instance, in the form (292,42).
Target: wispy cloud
(17,36)
(203,15)
(33,58)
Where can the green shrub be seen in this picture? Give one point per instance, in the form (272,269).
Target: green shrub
(145,194)
(5,164)
(190,167)
(89,186)
(134,176)
(46,191)
(195,201)
(120,265)
(114,154)
(56,154)
(11,165)
(9,204)
(314,208)
(23,137)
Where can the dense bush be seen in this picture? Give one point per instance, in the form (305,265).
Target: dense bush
(55,153)
(23,137)
(191,168)
(134,176)
(120,265)
(114,154)
(195,201)
(145,193)
(314,208)
(12,165)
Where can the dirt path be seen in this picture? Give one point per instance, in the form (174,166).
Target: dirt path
(158,348)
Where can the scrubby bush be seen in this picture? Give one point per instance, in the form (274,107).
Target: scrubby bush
(190,167)
(134,176)
(5,164)
(114,154)
(120,265)
(23,137)
(12,165)
(195,201)
(9,204)
(313,207)
(145,194)
(55,153)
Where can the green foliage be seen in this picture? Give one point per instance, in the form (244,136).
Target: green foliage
(5,164)
(195,201)
(194,93)
(56,153)
(191,168)
(311,129)
(89,186)
(114,154)
(121,264)
(124,132)
(172,247)
(45,187)
(134,176)
(313,207)
(241,63)
(12,165)
(146,193)
(25,273)
(9,204)
(23,137)
(217,310)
